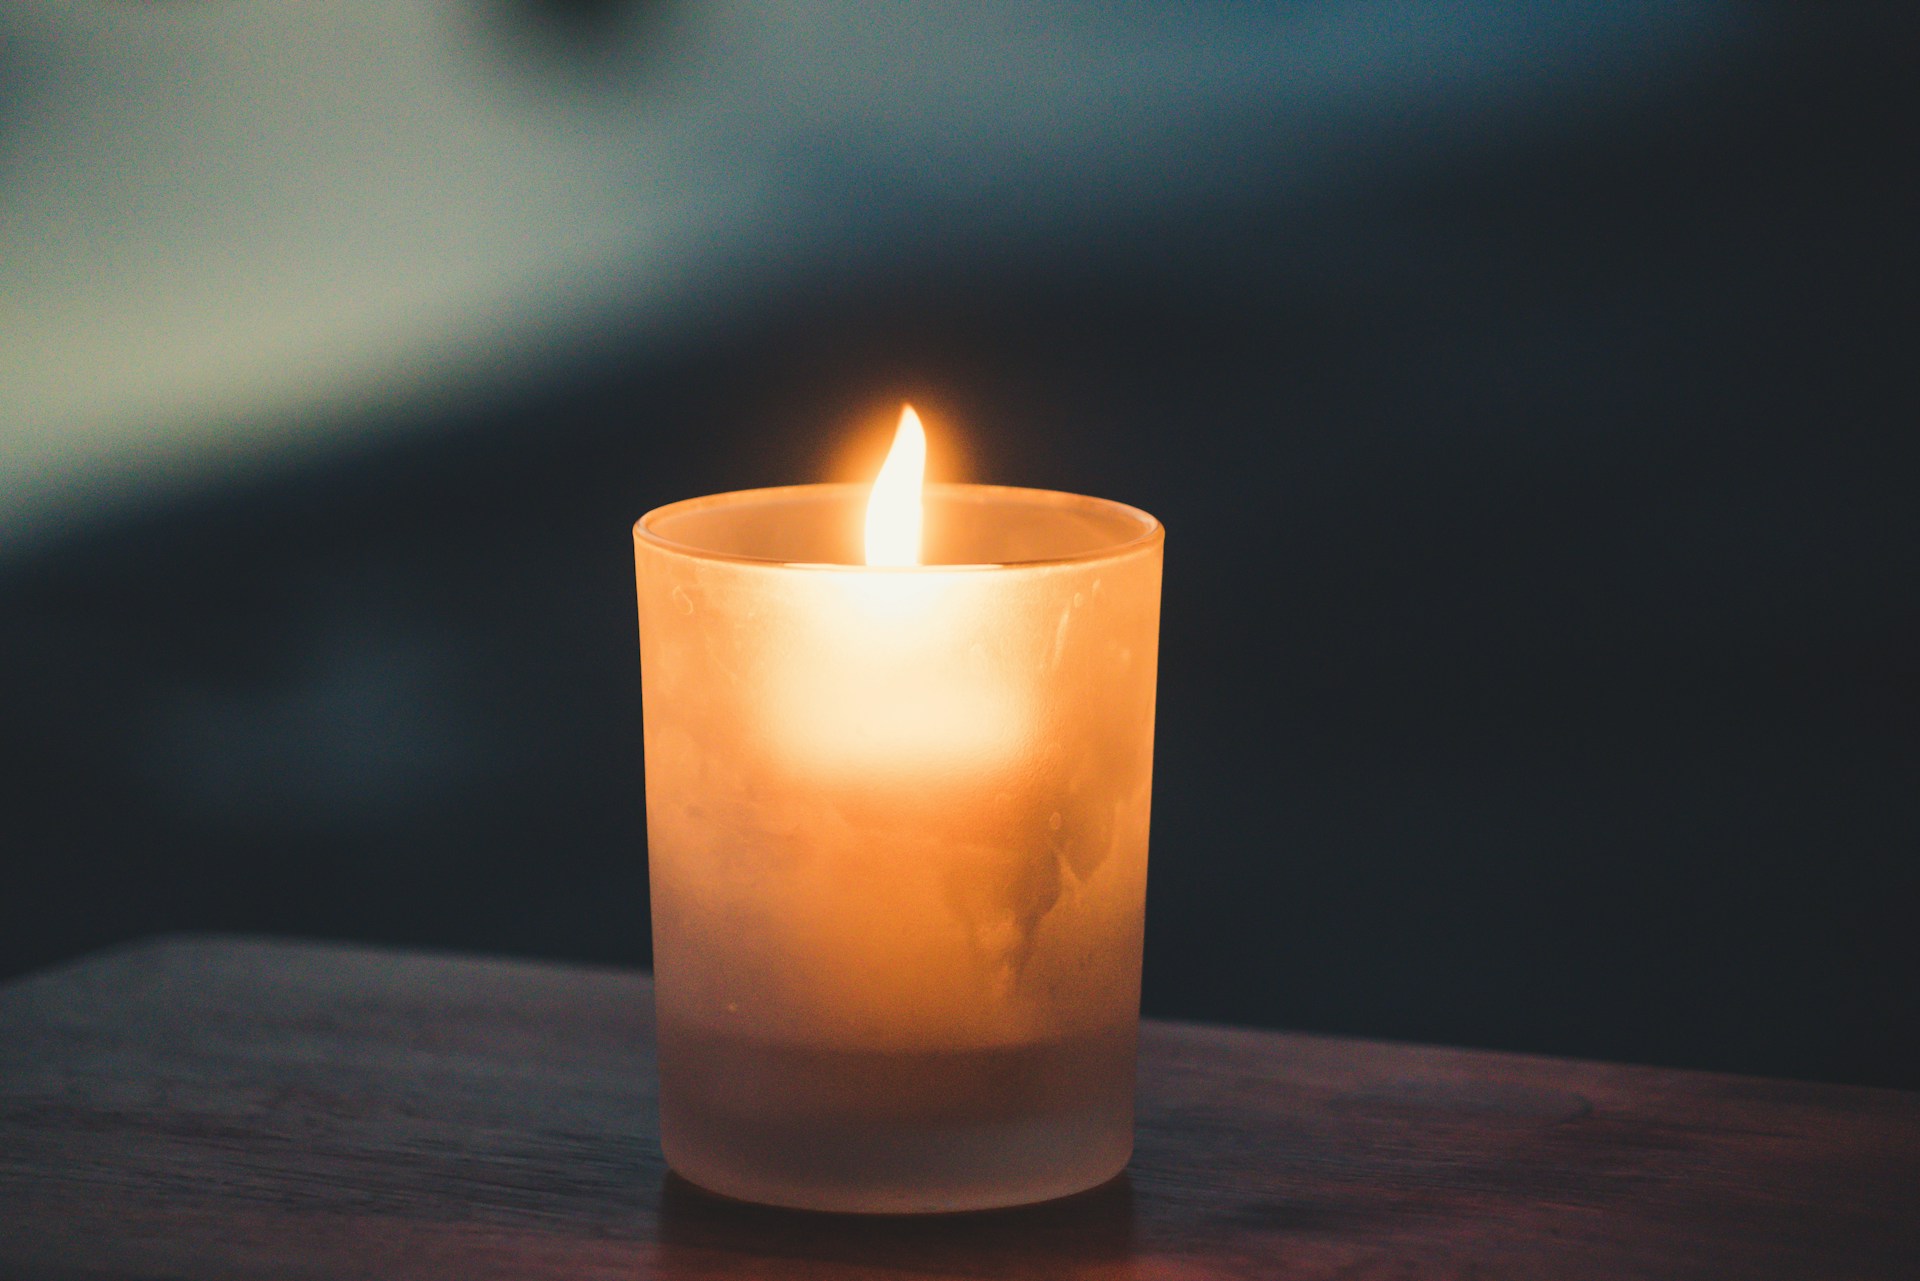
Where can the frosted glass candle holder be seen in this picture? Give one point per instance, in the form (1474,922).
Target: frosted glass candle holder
(897,839)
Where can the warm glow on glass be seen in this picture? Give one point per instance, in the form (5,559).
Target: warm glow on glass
(893,512)
(897,837)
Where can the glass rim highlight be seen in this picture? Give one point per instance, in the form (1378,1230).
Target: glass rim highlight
(1149,530)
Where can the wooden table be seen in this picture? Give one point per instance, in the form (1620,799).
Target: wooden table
(231,1108)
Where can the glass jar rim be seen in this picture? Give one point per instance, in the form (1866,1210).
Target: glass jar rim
(1147,530)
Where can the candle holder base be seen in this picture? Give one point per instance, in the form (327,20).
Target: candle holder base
(876,1132)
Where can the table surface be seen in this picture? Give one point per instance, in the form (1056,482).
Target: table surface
(239,1108)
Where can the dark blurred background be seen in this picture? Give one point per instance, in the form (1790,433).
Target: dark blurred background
(1529,398)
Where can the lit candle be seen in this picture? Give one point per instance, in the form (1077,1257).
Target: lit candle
(899,757)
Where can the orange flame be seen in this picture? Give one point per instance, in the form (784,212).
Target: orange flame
(893,511)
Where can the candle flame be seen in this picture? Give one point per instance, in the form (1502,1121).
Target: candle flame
(893,512)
